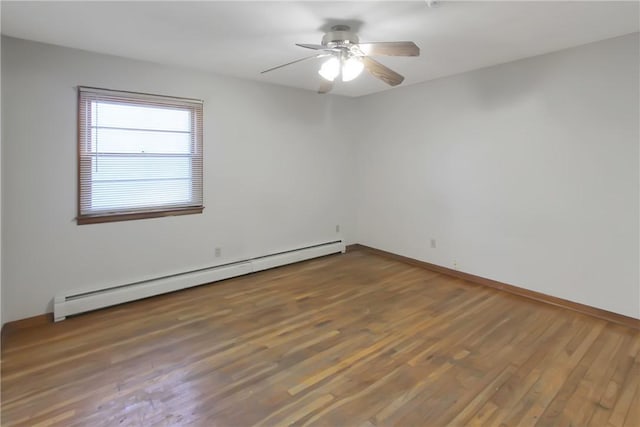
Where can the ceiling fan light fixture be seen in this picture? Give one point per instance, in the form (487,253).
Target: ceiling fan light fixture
(351,68)
(330,69)
(348,58)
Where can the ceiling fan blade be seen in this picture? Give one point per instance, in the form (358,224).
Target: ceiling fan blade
(381,72)
(389,49)
(312,46)
(325,86)
(319,55)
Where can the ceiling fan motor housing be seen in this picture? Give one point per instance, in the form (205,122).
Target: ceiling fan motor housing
(340,35)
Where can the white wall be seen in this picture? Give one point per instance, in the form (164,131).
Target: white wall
(276,160)
(525,173)
(1,192)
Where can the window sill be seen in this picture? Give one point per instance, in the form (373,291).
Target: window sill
(97,219)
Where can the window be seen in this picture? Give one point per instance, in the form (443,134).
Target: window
(140,156)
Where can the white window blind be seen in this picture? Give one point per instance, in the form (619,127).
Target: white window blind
(138,154)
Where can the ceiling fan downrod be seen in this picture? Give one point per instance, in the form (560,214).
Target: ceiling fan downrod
(340,35)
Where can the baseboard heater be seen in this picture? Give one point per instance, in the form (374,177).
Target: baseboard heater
(79,301)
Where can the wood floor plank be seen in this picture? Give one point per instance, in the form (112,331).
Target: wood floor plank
(353,339)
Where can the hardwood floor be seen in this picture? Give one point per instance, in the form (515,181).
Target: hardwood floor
(345,340)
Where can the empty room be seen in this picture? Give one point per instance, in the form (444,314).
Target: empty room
(311,213)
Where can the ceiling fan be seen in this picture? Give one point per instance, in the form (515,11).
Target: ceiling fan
(348,57)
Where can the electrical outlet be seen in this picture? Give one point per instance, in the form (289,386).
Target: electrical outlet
(338,228)
(433,243)
(455,264)
(218,252)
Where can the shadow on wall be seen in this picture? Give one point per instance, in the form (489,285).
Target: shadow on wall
(511,85)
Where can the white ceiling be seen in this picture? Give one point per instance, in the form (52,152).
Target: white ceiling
(240,38)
